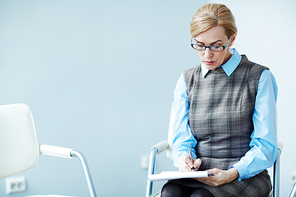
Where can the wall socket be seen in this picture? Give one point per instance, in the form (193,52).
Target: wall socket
(145,162)
(15,185)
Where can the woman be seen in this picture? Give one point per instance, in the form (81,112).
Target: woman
(225,114)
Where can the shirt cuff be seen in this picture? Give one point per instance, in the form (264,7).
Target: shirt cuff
(242,170)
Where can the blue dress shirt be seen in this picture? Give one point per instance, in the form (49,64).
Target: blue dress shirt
(263,145)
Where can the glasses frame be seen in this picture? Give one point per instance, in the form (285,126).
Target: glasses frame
(204,47)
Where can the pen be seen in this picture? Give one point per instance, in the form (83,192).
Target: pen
(190,155)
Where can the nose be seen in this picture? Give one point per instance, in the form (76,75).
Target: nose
(208,53)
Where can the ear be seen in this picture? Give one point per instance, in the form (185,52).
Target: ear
(232,39)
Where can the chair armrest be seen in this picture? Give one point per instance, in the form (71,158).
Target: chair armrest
(157,148)
(55,151)
(70,154)
(161,146)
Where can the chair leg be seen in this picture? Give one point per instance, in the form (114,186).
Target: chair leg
(82,159)
(151,171)
(276,175)
(276,179)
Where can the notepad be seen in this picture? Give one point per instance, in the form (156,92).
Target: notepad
(168,175)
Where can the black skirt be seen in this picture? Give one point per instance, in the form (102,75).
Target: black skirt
(257,186)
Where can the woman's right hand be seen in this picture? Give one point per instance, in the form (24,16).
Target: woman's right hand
(185,164)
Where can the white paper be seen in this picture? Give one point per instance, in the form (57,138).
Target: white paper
(168,175)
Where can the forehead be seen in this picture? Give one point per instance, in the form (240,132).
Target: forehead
(211,35)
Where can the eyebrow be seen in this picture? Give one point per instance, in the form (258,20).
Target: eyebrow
(210,43)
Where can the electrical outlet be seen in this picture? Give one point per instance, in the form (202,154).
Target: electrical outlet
(144,162)
(15,185)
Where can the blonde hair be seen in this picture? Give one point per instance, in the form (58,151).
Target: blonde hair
(212,15)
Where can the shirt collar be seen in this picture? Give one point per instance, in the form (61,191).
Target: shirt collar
(229,66)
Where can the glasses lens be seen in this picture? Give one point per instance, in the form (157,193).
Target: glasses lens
(217,48)
(198,47)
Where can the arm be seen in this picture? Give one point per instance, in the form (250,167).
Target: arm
(182,136)
(263,143)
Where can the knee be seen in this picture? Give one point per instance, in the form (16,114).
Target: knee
(166,191)
(201,192)
(171,190)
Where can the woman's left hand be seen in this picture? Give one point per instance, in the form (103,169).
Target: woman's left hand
(220,177)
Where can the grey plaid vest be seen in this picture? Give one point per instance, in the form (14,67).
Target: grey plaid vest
(220,113)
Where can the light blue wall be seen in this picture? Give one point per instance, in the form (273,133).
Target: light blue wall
(266,33)
(99,77)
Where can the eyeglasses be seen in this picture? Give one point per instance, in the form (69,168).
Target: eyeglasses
(215,48)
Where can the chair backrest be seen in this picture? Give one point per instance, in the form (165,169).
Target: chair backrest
(19,148)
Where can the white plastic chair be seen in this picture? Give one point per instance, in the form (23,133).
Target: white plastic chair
(167,145)
(19,147)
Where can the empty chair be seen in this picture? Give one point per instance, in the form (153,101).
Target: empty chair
(19,148)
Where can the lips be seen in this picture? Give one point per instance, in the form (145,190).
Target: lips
(209,62)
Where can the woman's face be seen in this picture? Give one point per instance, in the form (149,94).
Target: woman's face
(214,36)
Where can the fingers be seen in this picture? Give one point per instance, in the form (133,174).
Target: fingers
(208,180)
(188,161)
(197,163)
(218,178)
(185,163)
